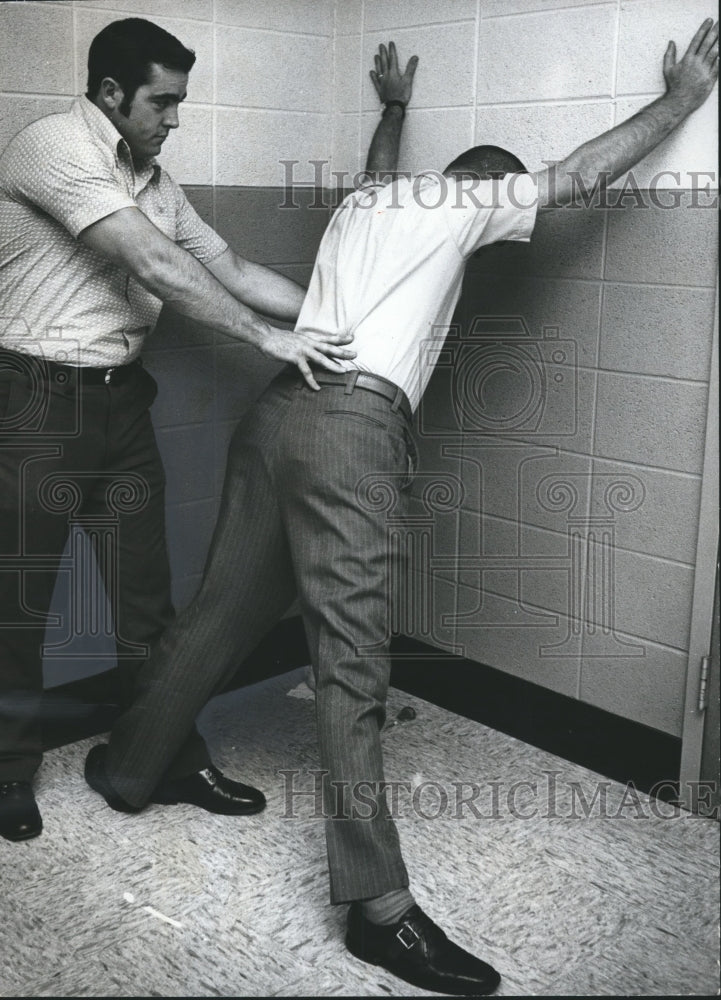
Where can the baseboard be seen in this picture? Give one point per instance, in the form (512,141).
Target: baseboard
(601,741)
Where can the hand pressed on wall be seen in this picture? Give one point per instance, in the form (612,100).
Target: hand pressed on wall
(389,82)
(691,79)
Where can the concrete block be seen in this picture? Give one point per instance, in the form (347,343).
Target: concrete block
(675,246)
(645,29)
(653,512)
(184,589)
(241,374)
(688,158)
(650,597)
(311,17)
(525,484)
(429,141)
(547,55)
(176,332)
(348,72)
(201,198)
(380,15)
(252,145)
(201,10)
(187,454)
(255,225)
(348,18)
(195,35)
(16,112)
(445,72)
(649,689)
(499,633)
(566,243)
(426,610)
(189,528)
(527,405)
(657,330)
(527,565)
(539,133)
(651,421)
(347,156)
(36,48)
(185,385)
(499,8)
(571,307)
(244,57)
(187,154)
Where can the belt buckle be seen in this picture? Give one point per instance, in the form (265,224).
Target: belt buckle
(108,374)
(410,932)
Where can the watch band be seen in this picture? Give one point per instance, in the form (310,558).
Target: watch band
(395,104)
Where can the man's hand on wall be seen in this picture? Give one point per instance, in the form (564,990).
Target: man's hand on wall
(390,83)
(691,79)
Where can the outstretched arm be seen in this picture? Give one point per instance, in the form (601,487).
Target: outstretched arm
(391,86)
(257,286)
(131,241)
(602,160)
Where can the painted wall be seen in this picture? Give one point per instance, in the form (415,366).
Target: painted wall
(629,292)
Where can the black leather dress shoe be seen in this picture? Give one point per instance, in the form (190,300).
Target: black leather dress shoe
(416,950)
(212,791)
(208,789)
(20,817)
(97,779)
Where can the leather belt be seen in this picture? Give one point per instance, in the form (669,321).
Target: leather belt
(45,368)
(356,379)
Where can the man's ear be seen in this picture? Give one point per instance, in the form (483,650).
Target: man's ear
(110,94)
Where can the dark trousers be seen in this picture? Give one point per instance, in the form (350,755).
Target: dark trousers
(72,452)
(297,512)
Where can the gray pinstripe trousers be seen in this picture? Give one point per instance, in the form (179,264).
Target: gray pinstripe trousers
(291,521)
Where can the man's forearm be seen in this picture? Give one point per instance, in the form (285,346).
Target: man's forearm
(133,243)
(602,160)
(258,287)
(597,163)
(183,283)
(385,144)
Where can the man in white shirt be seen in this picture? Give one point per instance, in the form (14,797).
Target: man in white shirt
(295,514)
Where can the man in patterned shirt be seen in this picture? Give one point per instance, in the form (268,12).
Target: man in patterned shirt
(94,237)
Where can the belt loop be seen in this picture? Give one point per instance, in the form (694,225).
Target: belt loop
(351,381)
(397,401)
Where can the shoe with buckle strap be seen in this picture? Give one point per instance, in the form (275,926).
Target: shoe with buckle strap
(417,951)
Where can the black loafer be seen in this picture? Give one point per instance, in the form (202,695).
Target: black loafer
(97,779)
(212,791)
(20,817)
(208,789)
(417,951)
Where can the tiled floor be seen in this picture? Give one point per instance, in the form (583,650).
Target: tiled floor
(507,848)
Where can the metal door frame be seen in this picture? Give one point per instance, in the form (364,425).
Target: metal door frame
(702,608)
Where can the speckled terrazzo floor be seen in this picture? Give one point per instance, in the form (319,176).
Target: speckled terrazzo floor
(175,902)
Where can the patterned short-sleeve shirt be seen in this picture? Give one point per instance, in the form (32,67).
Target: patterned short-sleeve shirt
(58,298)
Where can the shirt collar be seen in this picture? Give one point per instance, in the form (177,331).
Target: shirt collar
(100,127)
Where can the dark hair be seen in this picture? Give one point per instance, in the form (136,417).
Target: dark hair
(125,49)
(485,162)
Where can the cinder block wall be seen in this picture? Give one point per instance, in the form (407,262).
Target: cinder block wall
(630,291)
(567,554)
